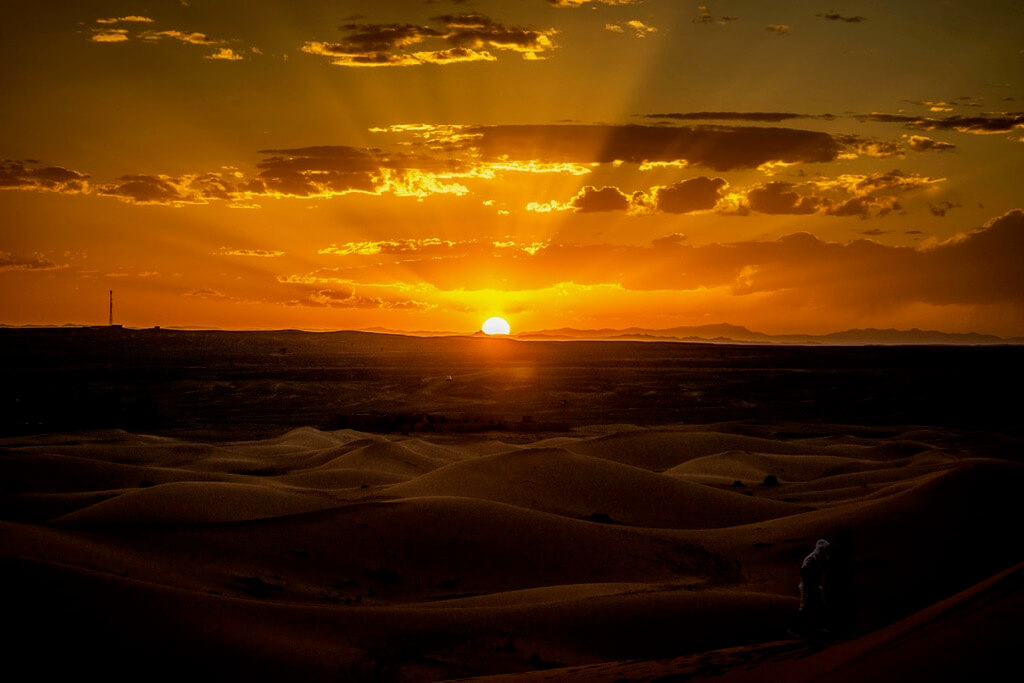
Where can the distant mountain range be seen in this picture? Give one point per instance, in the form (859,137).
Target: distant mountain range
(721,333)
(731,334)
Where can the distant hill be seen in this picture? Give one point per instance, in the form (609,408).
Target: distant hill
(731,334)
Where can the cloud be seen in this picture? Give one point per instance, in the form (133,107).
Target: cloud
(345,296)
(113,35)
(865,206)
(858,195)
(592,199)
(979,125)
(153,189)
(261,253)
(134,18)
(942,208)
(832,16)
(396,246)
(765,116)
(639,28)
(204,293)
(687,196)
(191,37)
(319,171)
(920,143)
(779,198)
(9,262)
(720,148)
(777,29)
(25,175)
(870,147)
(704,16)
(455,37)
(581,3)
(977,268)
(226,53)
(674,240)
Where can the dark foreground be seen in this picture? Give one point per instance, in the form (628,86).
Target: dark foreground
(355,507)
(222,384)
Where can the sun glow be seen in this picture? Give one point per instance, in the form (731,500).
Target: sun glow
(495,326)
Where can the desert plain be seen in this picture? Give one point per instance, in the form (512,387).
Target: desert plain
(370,507)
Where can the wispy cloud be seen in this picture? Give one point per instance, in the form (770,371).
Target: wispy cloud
(37,261)
(833,16)
(638,28)
(981,124)
(582,3)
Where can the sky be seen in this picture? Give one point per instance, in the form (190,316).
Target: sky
(799,166)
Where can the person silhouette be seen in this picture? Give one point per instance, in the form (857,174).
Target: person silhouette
(810,617)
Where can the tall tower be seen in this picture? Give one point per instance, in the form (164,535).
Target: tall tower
(110,322)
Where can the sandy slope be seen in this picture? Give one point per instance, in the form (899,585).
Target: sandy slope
(342,555)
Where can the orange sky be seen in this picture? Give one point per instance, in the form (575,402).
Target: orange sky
(794,167)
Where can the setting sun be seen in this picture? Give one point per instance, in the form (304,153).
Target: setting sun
(495,326)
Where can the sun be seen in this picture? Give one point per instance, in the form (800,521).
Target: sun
(495,326)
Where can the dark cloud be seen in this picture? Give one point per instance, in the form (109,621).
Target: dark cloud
(832,16)
(37,261)
(942,208)
(476,30)
(309,171)
(152,189)
(983,123)
(674,240)
(721,148)
(871,147)
(452,38)
(605,199)
(26,175)
(766,116)
(861,196)
(779,198)
(920,143)
(704,16)
(694,194)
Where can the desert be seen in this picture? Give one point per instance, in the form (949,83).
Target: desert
(181,503)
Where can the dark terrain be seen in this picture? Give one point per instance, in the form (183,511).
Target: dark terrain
(219,384)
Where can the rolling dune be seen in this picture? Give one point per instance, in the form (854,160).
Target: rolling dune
(325,555)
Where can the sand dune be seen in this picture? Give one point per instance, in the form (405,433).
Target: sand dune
(205,502)
(557,481)
(333,555)
(661,449)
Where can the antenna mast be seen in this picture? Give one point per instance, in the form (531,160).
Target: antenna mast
(110,322)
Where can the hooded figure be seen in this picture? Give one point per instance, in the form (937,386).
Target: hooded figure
(812,600)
